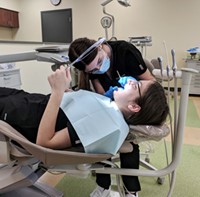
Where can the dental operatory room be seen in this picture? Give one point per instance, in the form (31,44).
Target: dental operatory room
(99,98)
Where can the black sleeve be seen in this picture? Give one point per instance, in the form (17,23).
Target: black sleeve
(134,62)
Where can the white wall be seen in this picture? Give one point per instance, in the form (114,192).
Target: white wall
(33,74)
(172,21)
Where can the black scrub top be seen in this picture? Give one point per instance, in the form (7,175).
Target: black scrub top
(23,111)
(126,59)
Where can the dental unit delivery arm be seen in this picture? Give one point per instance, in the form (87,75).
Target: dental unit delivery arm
(54,54)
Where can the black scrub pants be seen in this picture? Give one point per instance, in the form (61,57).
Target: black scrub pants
(128,160)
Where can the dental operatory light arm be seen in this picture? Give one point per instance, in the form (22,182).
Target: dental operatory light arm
(112,17)
(124,3)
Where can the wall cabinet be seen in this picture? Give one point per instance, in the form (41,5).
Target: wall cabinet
(9,18)
(195,82)
(10,78)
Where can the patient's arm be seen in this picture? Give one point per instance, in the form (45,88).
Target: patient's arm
(47,137)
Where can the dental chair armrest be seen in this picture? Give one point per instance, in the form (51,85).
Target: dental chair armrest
(49,156)
(5,150)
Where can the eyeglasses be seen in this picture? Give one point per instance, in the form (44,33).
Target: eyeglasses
(82,56)
(140,95)
(139,100)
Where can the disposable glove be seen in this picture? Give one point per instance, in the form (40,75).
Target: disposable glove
(109,93)
(123,80)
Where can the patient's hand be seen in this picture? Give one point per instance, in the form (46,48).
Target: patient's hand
(60,80)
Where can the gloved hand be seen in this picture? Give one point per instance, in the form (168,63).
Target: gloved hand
(109,93)
(123,80)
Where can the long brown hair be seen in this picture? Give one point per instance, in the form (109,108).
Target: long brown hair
(154,107)
(77,47)
(84,82)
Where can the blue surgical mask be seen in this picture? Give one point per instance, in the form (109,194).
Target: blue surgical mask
(104,66)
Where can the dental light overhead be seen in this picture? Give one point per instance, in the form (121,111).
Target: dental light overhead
(125,3)
(109,20)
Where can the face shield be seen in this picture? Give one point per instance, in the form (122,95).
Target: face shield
(88,51)
(83,55)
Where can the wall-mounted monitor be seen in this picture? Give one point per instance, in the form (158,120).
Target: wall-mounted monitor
(57,26)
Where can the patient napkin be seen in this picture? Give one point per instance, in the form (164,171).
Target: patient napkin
(98,122)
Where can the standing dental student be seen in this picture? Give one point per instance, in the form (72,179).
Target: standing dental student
(104,63)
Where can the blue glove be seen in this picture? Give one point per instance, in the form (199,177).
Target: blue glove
(123,80)
(109,93)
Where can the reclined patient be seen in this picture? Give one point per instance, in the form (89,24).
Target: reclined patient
(66,118)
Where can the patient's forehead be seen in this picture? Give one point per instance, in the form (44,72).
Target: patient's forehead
(144,84)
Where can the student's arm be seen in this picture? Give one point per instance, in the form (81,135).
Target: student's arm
(97,86)
(146,76)
(47,137)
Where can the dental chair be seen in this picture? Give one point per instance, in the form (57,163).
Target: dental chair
(21,166)
(23,163)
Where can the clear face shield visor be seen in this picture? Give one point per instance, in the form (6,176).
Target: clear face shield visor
(83,55)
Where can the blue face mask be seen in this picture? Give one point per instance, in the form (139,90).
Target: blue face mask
(104,66)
